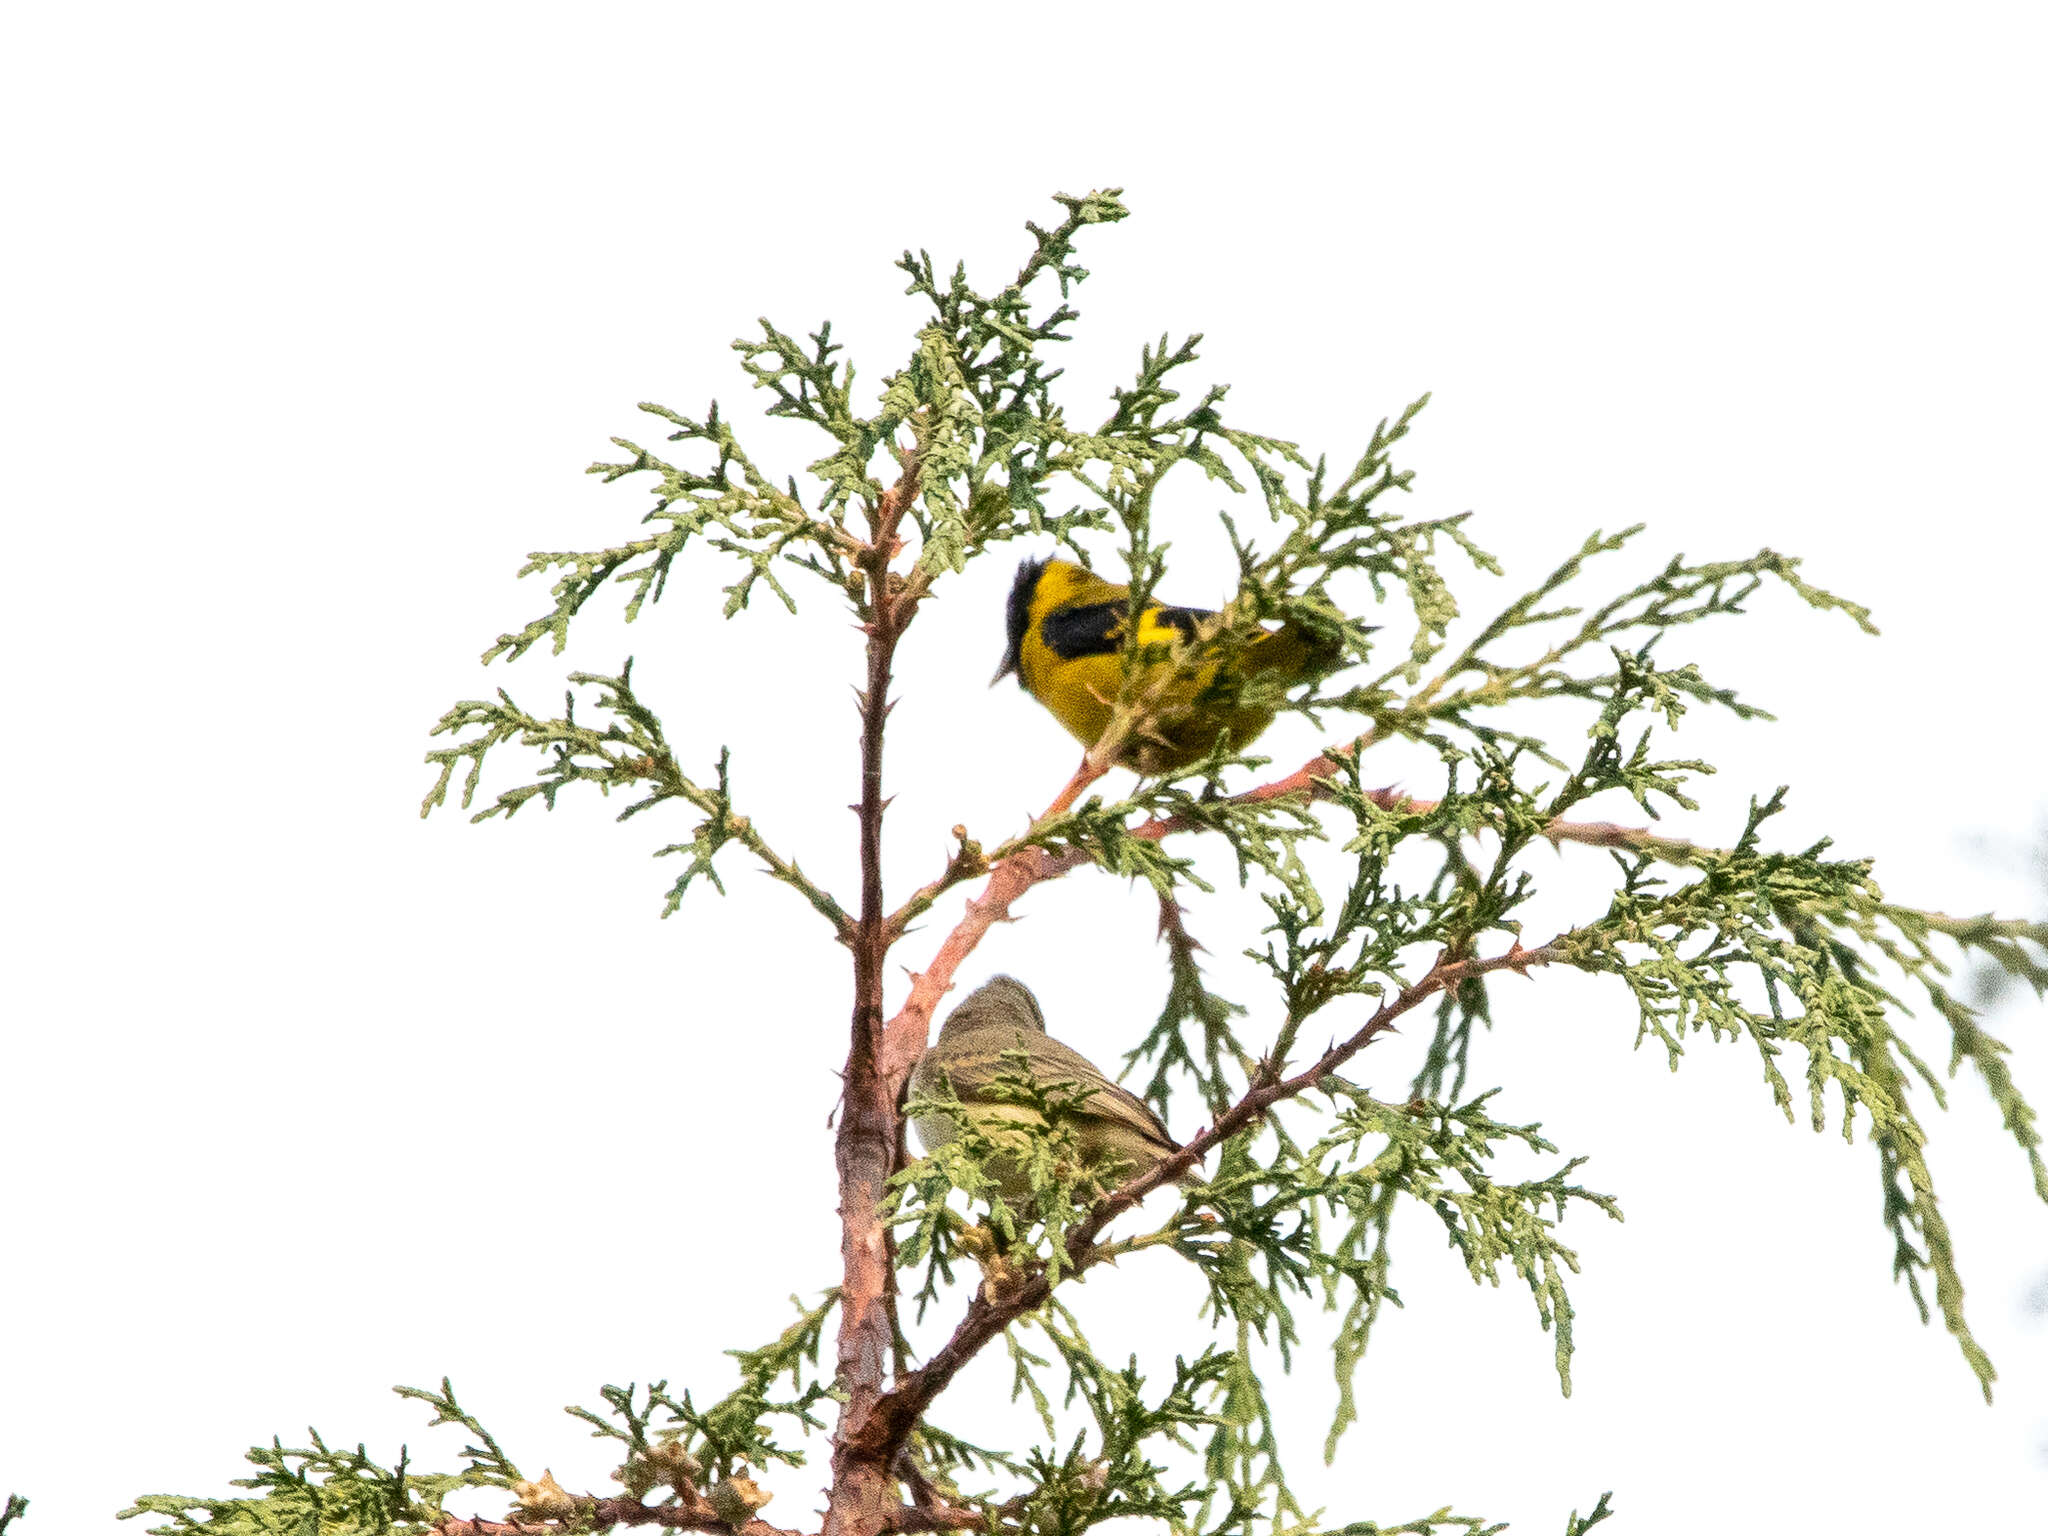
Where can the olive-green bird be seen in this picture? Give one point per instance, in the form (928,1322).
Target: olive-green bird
(1066,639)
(1119,1134)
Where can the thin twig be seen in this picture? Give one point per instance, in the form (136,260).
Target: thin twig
(967,862)
(663,768)
(928,1509)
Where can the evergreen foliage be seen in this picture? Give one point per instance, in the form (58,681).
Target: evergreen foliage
(1397,901)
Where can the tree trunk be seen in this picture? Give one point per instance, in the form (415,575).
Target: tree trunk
(863,1493)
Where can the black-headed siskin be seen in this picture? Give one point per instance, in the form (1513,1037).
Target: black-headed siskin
(1066,646)
(1119,1135)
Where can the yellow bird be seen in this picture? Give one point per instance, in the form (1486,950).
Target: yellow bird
(1066,648)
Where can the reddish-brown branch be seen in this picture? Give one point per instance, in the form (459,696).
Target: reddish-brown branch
(696,1514)
(686,1514)
(1611,834)
(991,1311)
(907,1033)
(937,1517)
(928,1509)
(1311,782)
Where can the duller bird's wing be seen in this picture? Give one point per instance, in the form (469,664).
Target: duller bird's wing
(972,1057)
(1108,1100)
(967,1071)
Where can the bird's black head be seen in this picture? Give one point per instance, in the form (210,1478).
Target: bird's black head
(1022,590)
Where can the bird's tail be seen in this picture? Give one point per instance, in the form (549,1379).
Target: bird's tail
(1295,653)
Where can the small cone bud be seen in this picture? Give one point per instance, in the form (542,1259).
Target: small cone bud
(673,1465)
(546,1498)
(999,1276)
(638,1475)
(737,1498)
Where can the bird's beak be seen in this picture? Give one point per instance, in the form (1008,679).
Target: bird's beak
(1007,669)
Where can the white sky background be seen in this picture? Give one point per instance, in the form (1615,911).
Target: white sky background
(313,320)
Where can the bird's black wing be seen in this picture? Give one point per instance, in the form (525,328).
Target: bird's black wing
(1086,629)
(1096,629)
